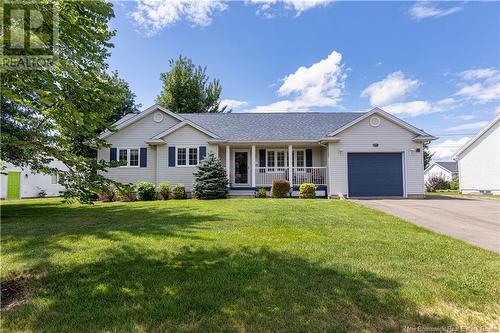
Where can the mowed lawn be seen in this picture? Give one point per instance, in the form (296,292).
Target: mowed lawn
(241,265)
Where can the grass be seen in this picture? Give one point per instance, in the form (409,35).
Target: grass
(245,265)
(456,193)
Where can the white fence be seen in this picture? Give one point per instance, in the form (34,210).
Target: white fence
(264,176)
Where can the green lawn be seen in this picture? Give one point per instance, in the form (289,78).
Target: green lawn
(455,193)
(242,265)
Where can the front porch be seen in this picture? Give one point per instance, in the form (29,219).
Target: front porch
(257,165)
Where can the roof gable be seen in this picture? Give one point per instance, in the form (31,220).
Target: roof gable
(479,135)
(389,117)
(129,120)
(450,166)
(181,125)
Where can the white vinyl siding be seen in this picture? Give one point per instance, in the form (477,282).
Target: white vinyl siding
(135,136)
(390,138)
(437,170)
(479,164)
(185,137)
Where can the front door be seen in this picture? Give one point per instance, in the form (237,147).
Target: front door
(13,185)
(241,167)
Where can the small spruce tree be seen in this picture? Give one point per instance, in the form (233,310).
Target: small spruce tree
(210,179)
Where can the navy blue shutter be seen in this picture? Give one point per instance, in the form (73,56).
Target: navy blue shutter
(309,157)
(112,155)
(262,159)
(202,152)
(144,157)
(171,156)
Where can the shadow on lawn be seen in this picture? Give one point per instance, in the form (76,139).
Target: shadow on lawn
(214,290)
(35,229)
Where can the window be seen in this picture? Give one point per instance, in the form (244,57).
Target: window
(193,156)
(187,156)
(123,155)
(54,179)
(181,156)
(134,157)
(280,159)
(270,160)
(277,159)
(299,158)
(130,156)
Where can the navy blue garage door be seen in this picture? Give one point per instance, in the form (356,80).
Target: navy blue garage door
(375,174)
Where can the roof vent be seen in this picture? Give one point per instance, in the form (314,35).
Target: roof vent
(374,121)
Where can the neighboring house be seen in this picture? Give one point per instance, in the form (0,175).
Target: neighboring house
(17,182)
(446,170)
(357,154)
(479,161)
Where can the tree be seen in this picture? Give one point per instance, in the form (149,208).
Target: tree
(80,140)
(427,155)
(42,110)
(210,179)
(186,88)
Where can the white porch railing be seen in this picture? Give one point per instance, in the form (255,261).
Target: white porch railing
(264,176)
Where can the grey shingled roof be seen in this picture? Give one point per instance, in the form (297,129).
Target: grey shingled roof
(450,166)
(272,126)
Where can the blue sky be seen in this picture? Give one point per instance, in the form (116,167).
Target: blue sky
(434,64)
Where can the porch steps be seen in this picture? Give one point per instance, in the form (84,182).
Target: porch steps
(241,193)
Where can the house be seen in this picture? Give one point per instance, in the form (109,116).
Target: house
(17,182)
(357,154)
(479,161)
(446,170)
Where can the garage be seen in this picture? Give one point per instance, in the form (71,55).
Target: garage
(375,174)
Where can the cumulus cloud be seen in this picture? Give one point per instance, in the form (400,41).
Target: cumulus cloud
(479,85)
(388,90)
(468,126)
(320,85)
(411,109)
(232,103)
(269,8)
(154,15)
(447,149)
(424,9)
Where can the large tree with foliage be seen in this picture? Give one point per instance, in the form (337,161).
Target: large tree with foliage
(43,110)
(188,89)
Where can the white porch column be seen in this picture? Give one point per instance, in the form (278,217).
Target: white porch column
(290,163)
(228,164)
(253,165)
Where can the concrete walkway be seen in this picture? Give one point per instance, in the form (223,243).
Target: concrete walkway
(473,220)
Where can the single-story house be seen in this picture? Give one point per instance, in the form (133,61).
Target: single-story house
(479,161)
(17,182)
(355,154)
(446,170)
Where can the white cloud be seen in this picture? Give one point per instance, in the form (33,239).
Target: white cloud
(155,15)
(393,87)
(466,117)
(411,109)
(232,103)
(424,9)
(320,85)
(447,149)
(480,85)
(476,125)
(480,73)
(269,8)
(497,110)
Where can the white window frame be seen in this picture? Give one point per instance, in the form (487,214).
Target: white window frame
(187,165)
(128,157)
(277,168)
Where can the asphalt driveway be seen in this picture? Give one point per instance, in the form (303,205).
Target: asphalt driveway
(473,220)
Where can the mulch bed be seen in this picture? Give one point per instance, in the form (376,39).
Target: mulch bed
(13,292)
